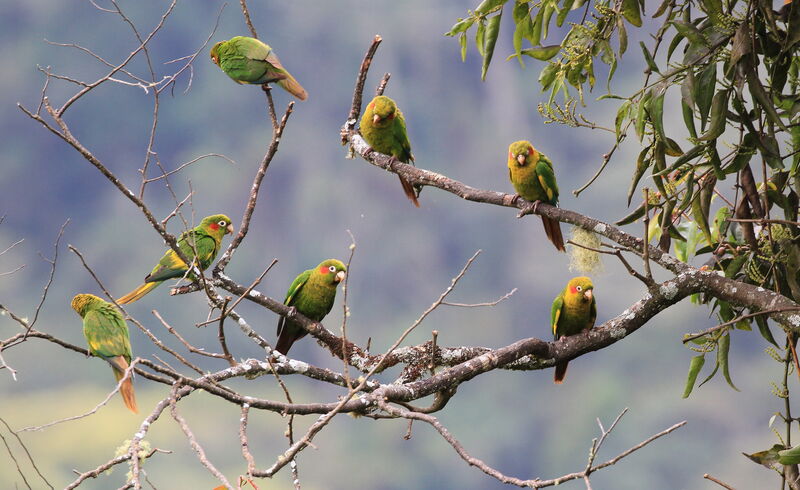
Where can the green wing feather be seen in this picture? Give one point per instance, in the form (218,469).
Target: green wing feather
(592,313)
(547,178)
(171,266)
(555,313)
(401,138)
(107,334)
(291,294)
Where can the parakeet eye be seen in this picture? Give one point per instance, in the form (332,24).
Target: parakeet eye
(578,288)
(332,268)
(222,223)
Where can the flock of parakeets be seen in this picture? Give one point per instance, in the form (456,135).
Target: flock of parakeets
(312,293)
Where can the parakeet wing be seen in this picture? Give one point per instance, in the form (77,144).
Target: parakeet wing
(592,312)
(401,136)
(171,266)
(547,178)
(291,294)
(252,48)
(555,313)
(106,334)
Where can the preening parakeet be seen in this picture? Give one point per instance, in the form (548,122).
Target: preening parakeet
(248,60)
(384,129)
(107,335)
(532,174)
(574,310)
(312,293)
(205,237)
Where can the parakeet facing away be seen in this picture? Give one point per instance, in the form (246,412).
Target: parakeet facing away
(531,172)
(384,129)
(312,293)
(108,338)
(574,310)
(248,60)
(205,237)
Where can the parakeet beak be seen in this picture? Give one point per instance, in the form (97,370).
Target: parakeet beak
(229,228)
(339,276)
(588,295)
(376,119)
(521,159)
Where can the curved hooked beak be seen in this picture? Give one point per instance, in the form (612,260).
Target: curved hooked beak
(521,159)
(588,295)
(229,229)
(339,276)
(376,119)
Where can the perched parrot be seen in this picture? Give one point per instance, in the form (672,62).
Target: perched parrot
(248,60)
(384,129)
(574,310)
(206,237)
(312,293)
(108,338)
(531,172)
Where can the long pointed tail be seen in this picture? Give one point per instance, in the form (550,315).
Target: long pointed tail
(293,87)
(552,228)
(126,390)
(409,190)
(561,371)
(137,293)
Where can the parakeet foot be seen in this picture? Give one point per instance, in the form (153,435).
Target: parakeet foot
(369,152)
(292,314)
(529,209)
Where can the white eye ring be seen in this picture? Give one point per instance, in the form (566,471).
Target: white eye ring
(578,288)
(222,223)
(332,268)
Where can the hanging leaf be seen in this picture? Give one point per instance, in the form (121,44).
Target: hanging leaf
(703,91)
(722,356)
(622,114)
(542,53)
(632,12)
(719,112)
(763,328)
(489,40)
(635,215)
(648,58)
(695,365)
(642,163)
(460,26)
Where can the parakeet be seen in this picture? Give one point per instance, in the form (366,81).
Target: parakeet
(108,338)
(205,237)
(531,172)
(574,310)
(312,293)
(248,60)
(384,129)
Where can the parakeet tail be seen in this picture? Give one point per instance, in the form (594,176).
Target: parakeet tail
(290,85)
(137,293)
(552,228)
(409,190)
(561,371)
(126,390)
(285,342)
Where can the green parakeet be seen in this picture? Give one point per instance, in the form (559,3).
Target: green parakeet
(312,293)
(531,172)
(248,60)
(206,237)
(107,335)
(384,129)
(574,310)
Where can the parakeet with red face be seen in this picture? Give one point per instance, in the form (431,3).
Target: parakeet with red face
(248,60)
(312,294)
(573,311)
(532,174)
(107,335)
(384,129)
(205,237)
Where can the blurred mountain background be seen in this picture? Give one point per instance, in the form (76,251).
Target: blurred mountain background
(519,422)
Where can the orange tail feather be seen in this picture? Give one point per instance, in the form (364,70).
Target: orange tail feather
(409,190)
(561,371)
(126,390)
(290,85)
(137,293)
(552,229)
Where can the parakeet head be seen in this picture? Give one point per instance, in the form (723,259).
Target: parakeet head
(383,110)
(215,53)
(216,225)
(81,302)
(580,289)
(331,271)
(522,152)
